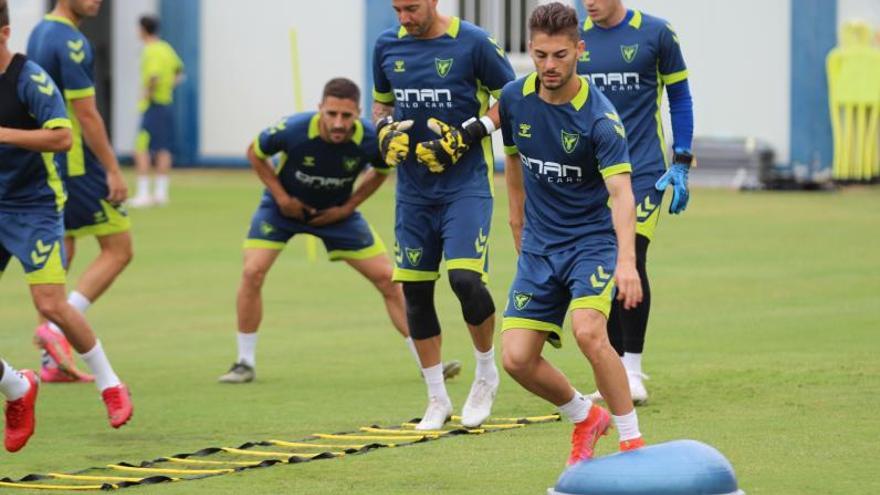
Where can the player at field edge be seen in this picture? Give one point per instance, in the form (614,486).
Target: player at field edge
(310,192)
(95,186)
(161,72)
(631,57)
(33,127)
(573,219)
(433,75)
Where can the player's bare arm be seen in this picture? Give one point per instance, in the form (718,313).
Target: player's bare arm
(516,197)
(289,205)
(370,182)
(95,134)
(42,140)
(623,215)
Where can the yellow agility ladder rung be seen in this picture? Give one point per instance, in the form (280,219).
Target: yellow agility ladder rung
(390,431)
(306,445)
(62,476)
(265,453)
(456,428)
(403,438)
(529,419)
(203,462)
(35,486)
(168,471)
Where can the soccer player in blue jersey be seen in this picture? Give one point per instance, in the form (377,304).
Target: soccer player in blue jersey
(631,57)
(95,186)
(310,192)
(33,126)
(573,219)
(433,75)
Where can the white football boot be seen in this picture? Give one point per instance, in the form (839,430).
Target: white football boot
(478,406)
(436,415)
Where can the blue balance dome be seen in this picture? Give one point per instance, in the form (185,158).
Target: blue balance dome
(682,467)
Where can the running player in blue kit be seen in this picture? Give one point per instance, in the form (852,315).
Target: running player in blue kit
(573,219)
(90,170)
(631,57)
(433,75)
(33,127)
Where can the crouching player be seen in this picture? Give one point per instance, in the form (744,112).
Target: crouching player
(33,126)
(322,154)
(567,162)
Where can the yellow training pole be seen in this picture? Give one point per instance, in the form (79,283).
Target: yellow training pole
(311,241)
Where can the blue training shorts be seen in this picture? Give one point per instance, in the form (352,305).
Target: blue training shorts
(351,239)
(157,129)
(37,240)
(546,287)
(457,231)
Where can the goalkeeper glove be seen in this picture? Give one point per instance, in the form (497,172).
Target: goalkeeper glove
(453,142)
(393,140)
(677,175)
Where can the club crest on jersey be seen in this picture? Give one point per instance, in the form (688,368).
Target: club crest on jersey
(521,299)
(629,52)
(585,57)
(414,256)
(399,66)
(350,163)
(443,66)
(570,141)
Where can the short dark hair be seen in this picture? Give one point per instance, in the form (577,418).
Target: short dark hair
(149,23)
(344,88)
(554,18)
(4,13)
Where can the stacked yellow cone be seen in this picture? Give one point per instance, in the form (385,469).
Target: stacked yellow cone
(854,96)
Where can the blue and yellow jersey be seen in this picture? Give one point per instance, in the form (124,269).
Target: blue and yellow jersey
(567,151)
(159,61)
(29,180)
(631,63)
(318,173)
(58,46)
(449,78)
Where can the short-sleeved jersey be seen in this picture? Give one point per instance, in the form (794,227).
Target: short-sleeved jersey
(631,63)
(318,173)
(29,180)
(59,47)
(160,61)
(449,78)
(567,151)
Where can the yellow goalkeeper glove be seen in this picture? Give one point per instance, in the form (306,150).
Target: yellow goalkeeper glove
(393,140)
(453,143)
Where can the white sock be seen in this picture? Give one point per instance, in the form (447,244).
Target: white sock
(143,186)
(486,366)
(13,384)
(412,348)
(98,363)
(81,303)
(247,348)
(627,426)
(577,409)
(632,362)
(434,380)
(161,187)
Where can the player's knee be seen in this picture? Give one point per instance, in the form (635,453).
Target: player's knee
(591,335)
(253,276)
(121,254)
(50,307)
(387,287)
(476,301)
(517,364)
(421,315)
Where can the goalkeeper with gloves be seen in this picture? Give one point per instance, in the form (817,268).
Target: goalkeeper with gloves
(433,76)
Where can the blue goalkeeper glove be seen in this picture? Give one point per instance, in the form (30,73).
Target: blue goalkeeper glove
(677,176)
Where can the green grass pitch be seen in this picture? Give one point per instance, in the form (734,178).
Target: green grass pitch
(763,342)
